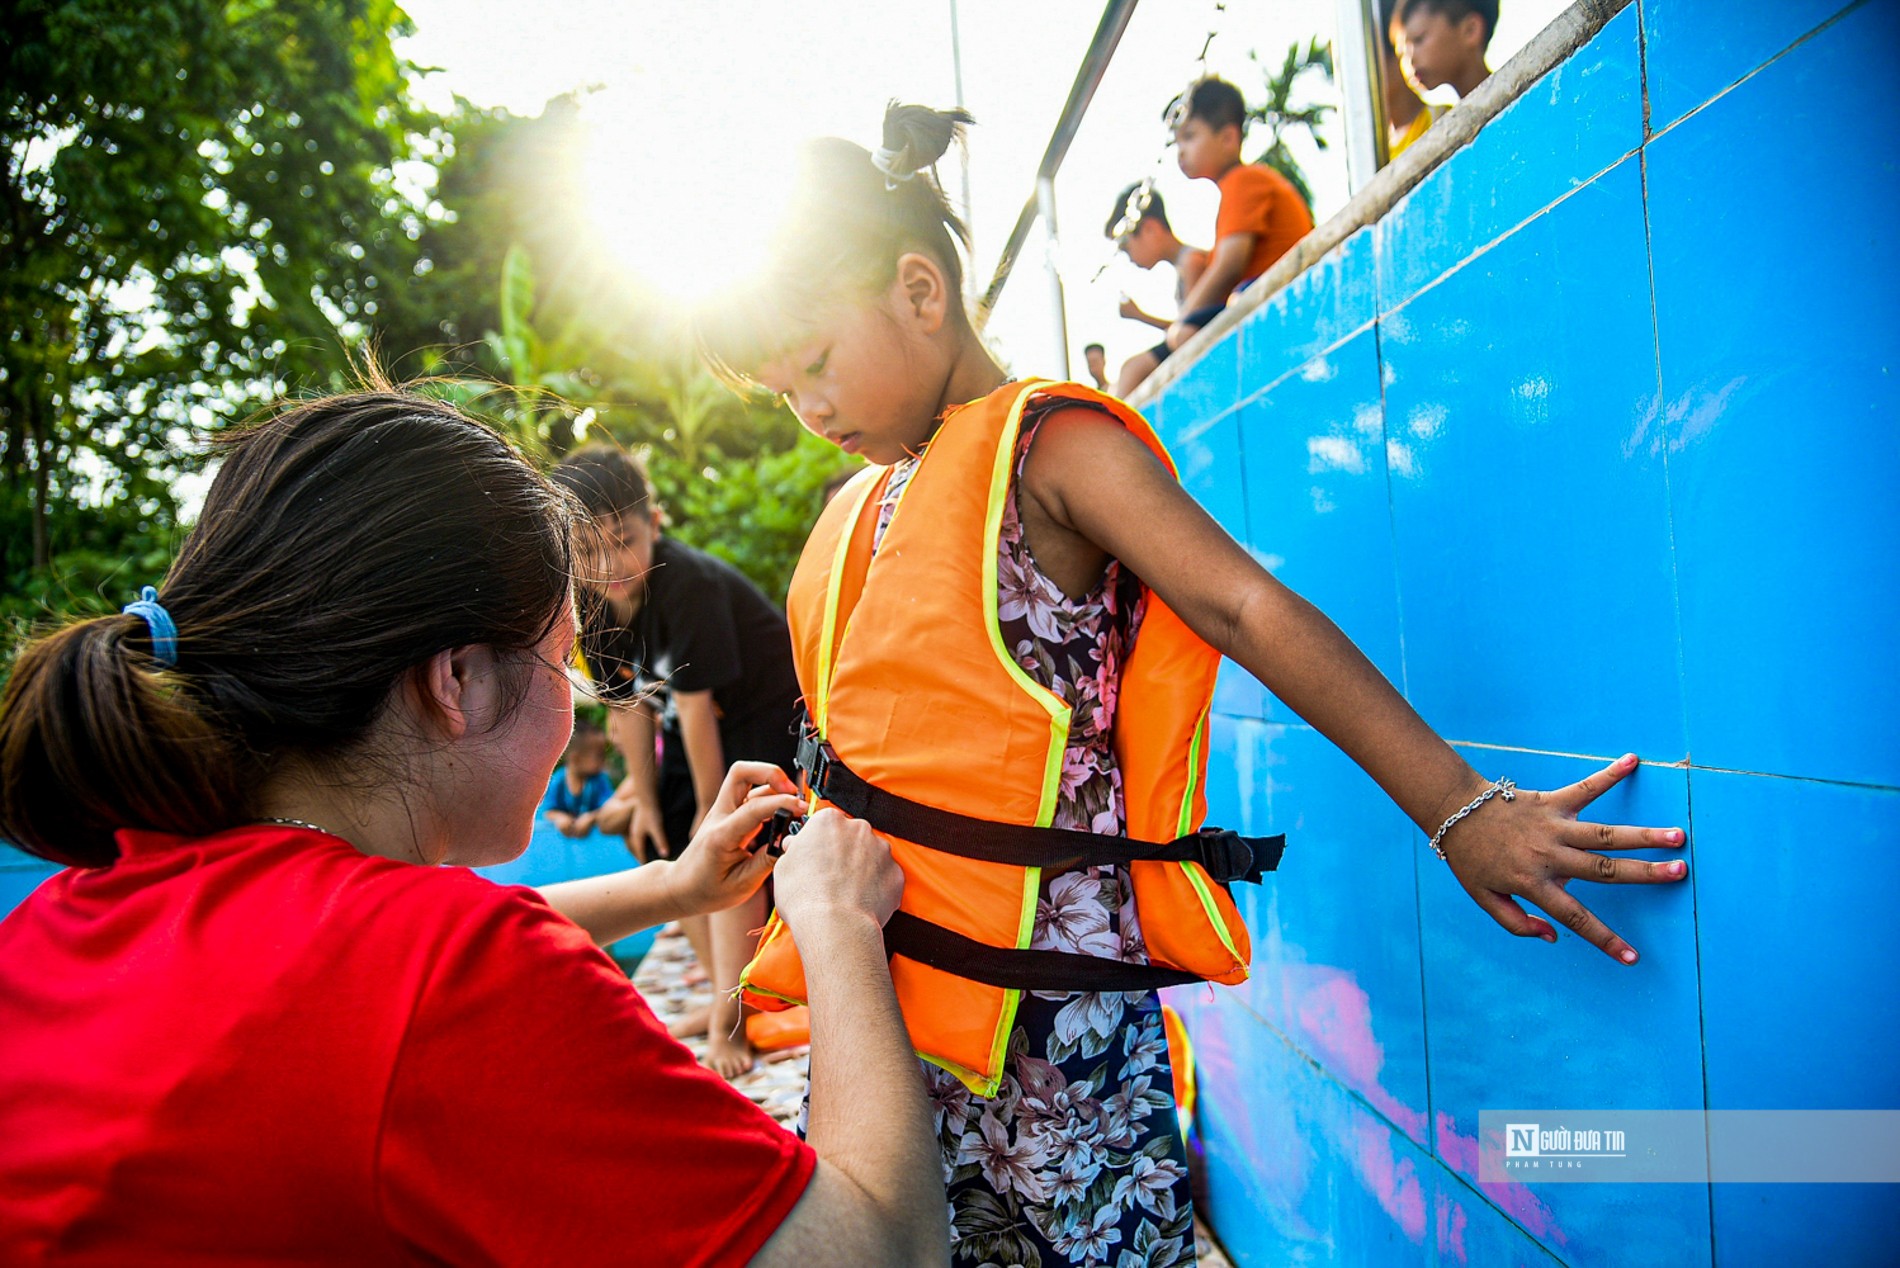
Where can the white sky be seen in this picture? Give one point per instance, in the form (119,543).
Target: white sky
(696,99)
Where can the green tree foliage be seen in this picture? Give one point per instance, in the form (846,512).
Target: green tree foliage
(201,208)
(1281,118)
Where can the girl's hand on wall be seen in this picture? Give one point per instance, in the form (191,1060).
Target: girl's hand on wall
(720,868)
(1534,846)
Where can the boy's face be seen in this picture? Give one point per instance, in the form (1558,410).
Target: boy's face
(1204,152)
(587,756)
(1096,362)
(1439,49)
(1147,245)
(625,554)
(1399,60)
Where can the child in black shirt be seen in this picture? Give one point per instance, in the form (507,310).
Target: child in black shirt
(686,648)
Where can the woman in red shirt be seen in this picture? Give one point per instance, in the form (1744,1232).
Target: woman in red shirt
(259,1019)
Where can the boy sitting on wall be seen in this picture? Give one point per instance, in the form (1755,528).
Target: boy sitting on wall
(1140,228)
(1445,41)
(1261,215)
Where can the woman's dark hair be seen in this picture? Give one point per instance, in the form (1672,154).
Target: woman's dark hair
(845,222)
(608,480)
(343,543)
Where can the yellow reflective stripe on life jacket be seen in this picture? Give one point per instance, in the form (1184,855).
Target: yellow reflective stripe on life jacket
(834,584)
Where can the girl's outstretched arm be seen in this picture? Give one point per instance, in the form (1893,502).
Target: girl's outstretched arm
(1099,490)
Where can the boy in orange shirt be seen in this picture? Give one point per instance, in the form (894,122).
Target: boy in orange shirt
(1261,215)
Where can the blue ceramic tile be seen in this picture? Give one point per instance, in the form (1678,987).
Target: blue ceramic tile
(1696,48)
(1468,1230)
(1529,493)
(1335,929)
(1793,899)
(1576,121)
(1778,377)
(1238,693)
(1520,1024)
(1209,388)
(1330,300)
(1298,1170)
(1319,507)
(1207,456)
(1795,903)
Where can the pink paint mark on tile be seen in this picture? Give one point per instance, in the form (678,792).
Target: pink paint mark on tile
(1460,1153)
(1393,1181)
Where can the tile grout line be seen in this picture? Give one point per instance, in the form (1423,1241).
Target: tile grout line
(1839,16)
(1358,1099)
(1860,785)
(1675,589)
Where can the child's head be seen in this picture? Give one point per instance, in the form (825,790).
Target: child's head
(1096,357)
(859,310)
(613,487)
(1209,121)
(1140,226)
(587,749)
(1400,79)
(1446,39)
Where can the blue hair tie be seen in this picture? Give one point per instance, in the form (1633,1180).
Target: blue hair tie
(164,632)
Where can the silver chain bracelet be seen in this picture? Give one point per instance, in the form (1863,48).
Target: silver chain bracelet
(1502,787)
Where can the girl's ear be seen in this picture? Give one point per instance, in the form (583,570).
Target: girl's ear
(925,291)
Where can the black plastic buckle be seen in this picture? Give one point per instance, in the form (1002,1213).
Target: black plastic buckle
(815,758)
(773,832)
(1227,856)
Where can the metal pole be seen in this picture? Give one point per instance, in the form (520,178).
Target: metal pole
(956,64)
(1359,61)
(1046,207)
(1108,34)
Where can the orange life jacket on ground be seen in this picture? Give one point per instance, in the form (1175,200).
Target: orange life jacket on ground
(906,676)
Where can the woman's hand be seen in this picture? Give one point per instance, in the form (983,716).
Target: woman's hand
(1532,847)
(719,868)
(835,865)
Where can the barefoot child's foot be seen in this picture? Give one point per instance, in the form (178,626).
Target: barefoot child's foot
(728,1050)
(692,1022)
(727,1056)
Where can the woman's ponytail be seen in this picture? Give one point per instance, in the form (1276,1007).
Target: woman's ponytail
(344,542)
(95,736)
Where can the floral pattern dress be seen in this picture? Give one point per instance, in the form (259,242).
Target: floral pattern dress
(1078,1160)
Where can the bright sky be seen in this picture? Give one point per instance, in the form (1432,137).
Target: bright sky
(696,99)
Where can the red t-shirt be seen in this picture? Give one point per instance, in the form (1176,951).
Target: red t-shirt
(265,1045)
(1258,200)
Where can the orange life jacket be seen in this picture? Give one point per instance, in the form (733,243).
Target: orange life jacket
(905,673)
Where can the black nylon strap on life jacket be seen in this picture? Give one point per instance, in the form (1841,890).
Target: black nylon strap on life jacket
(1025,970)
(1227,856)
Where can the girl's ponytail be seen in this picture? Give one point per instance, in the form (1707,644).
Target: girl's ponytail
(915,137)
(95,737)
(848,216)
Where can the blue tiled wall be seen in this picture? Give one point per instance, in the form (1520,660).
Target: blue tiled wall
(1591,445)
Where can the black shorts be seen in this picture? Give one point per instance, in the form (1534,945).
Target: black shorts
(1198,318)
(679,802)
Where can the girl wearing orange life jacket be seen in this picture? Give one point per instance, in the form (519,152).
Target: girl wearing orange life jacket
(1006,631)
